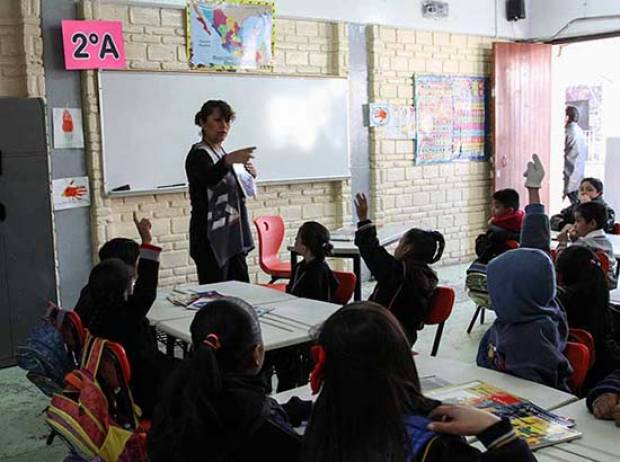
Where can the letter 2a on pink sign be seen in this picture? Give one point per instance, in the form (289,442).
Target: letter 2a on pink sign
(93,44)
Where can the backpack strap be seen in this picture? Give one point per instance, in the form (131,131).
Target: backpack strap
(94,356)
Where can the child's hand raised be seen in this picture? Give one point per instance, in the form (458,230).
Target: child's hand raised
(144,229)
(534,173)
(361,206)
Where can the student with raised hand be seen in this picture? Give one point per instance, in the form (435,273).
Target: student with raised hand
(604,400)
(590,190)
(370,407)
(405,281)
(214,406)
(312,277)
(143,263)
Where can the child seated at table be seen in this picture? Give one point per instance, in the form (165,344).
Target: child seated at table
(504,226)
(312,277)
(584,295)
(604,399)
(116,315)
(587,231)
(405,282)
(142,260)
(214,406)
(590,190)
(370,406)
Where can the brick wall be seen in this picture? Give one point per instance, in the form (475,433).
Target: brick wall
(155,40)
(21,48)
(453,197)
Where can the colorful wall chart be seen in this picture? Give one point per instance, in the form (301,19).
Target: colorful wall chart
(452,118)
(237,34)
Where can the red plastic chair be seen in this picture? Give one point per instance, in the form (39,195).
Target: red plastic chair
(616,229)
(346,287)
(579,357)
(441,308)
(604,259)
(270,231)
(584,337)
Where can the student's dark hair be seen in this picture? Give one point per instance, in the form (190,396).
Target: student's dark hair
(598,184)
(586,292)
(188,425)
(370,384)
(593,211)
(573,113)
(210,106)
(121,248)
(315,236)
(427,245)
(108,284)
(507,197)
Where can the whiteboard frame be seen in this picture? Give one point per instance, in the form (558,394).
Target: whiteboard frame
(179,189)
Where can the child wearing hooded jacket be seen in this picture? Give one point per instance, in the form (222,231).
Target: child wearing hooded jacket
(529,335)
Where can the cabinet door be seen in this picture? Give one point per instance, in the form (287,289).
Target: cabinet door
(26,233)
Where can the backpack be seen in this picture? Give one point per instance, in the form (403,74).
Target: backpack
(95,415)
(51,351)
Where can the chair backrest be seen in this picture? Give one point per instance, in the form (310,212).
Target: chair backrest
(441,305)
(604,259)
(584,337)
(616,229)
(578,355)
(270,231)
(346,286)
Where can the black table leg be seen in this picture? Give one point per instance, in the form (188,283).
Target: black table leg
(357,269)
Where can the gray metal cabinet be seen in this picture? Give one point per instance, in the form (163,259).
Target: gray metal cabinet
(27,272)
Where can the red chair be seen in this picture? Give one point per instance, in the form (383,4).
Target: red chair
(270,231)
(579,357)
(584,337)
(346,287)
(616,229)
(604,259)
(441,308)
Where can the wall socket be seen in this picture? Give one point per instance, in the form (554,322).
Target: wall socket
(434,9)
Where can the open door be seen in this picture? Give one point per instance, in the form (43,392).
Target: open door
(521,100)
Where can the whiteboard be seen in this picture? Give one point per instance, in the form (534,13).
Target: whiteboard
(298,124)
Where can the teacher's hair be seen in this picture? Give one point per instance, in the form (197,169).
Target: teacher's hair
(210,106)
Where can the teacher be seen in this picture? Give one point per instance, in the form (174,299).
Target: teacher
(219,232)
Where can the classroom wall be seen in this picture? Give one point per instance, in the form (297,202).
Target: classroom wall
(452,197)
(155,40)
(21,48)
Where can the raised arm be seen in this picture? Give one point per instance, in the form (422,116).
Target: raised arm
(535,233)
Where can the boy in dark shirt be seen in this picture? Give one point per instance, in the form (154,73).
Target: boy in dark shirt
(504,226)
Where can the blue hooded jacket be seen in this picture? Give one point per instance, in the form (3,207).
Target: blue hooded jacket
(529,335)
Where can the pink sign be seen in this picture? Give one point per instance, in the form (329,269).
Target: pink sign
(93,44)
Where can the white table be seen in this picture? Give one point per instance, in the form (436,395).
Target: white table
(600,441)
(457,372)
(387,235)
(290,322)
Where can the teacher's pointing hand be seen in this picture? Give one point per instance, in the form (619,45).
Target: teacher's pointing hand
(240,156)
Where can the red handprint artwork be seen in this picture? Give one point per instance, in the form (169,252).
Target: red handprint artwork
(67,122)
(74,191)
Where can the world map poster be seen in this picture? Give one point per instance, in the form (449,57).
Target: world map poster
(231,35)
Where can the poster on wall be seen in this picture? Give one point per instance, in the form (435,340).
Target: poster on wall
(452,118)
(435,118)
(470,118)
(237,34)
(67,126)
(69,193)
(398,122)
(93,44)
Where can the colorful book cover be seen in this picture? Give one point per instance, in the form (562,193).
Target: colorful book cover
(537,426)
(204,298)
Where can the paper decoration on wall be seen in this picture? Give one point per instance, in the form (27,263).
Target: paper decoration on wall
(93,44)
(398,122)
(67,124)
(70,193)
(237,34)
(452,118)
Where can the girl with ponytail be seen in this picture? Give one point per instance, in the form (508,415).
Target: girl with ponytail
(405,281)
(214,406)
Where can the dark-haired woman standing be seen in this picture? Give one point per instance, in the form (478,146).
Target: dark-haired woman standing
(219,231)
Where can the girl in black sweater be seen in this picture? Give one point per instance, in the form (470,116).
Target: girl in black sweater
(405,282)
(214,406)
(370,408)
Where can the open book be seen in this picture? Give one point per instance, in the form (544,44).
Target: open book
(537,426)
